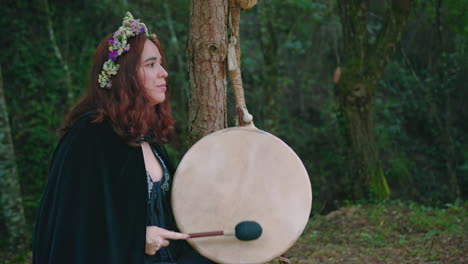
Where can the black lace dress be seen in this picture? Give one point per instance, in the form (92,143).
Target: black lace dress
(160,214)
(159,211)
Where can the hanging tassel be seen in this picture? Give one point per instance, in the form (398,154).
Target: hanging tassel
(247,4)
(232,59)
(246,117)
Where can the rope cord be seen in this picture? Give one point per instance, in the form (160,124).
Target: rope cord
(244,118)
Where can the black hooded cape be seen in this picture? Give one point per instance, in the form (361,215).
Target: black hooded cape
(94,206)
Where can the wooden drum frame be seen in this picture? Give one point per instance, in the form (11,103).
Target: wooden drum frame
(242,174)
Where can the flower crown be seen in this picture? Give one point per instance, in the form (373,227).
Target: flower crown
(118,45)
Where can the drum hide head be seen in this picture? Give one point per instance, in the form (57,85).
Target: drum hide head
(236,175)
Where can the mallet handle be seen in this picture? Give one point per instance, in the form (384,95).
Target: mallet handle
(206,234)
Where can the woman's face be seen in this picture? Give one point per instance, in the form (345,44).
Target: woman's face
(151,74)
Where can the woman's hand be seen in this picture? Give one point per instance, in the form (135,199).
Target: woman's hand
(157,237)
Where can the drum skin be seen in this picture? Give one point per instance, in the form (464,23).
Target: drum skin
(242,174)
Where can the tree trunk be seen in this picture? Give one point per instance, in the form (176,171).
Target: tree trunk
(10,194)
(363,66)
(207,50)
(271,90)
(445,126)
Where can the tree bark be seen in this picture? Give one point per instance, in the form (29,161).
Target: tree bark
(207,50)
(363,66)
(10,194)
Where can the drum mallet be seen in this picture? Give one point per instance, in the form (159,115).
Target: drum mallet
(245,231)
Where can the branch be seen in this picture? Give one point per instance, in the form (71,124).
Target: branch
(58,54)
(353,16)
(390,35)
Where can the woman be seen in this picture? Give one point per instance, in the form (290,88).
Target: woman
(108,190)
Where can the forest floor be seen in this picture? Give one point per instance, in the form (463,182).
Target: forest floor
(389,232)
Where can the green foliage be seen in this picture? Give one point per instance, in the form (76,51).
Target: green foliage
(421,127)
(35,81)
(289,52)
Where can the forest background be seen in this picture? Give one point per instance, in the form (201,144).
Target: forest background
(290,50)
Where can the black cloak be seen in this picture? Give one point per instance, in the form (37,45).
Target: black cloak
(94,206)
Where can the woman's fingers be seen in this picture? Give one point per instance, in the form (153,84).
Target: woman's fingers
(152,247)
(165,243)
(157,237)
(173,235)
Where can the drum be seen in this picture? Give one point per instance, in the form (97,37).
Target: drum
(241,174)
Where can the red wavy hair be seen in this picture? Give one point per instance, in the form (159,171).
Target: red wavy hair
(126,105)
